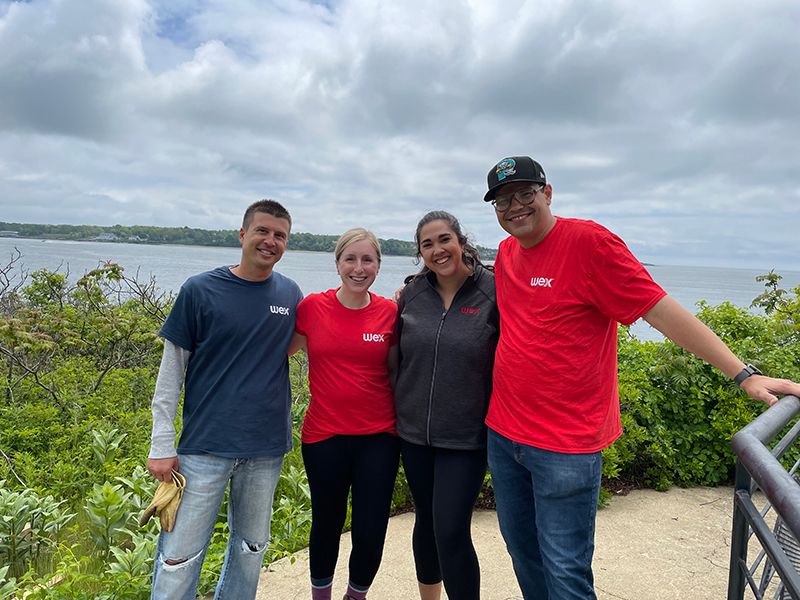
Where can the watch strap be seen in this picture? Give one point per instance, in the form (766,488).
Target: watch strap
(745,373)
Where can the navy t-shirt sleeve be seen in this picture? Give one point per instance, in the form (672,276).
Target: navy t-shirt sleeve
(298,294)
(180,327)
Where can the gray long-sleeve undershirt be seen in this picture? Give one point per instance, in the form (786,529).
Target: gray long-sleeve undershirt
(171,375)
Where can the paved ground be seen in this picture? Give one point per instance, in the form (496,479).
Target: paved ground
(650,545)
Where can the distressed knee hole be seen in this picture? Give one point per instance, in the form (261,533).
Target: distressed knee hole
(173,564)
(253,547)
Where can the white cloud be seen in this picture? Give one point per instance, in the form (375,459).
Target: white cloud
(674,124)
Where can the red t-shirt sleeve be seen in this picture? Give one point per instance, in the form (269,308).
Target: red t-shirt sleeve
(619,284)
(301,321)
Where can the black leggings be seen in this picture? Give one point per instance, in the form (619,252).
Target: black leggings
(368,465)
(445,484)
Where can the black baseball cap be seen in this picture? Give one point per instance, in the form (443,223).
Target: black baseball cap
(513,168)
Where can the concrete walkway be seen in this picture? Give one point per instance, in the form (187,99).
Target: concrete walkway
(650,545)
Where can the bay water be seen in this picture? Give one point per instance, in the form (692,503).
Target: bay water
(315,271)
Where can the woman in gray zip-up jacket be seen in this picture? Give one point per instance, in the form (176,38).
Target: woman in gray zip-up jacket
(448,328)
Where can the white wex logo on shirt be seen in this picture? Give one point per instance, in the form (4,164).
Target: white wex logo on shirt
(279,310)
(373,337)
(542,281)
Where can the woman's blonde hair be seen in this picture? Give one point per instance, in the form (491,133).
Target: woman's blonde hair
(351,236)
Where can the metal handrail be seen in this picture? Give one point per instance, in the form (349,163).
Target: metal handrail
(757,463)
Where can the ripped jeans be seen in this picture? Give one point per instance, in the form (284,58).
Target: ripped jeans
(180,553)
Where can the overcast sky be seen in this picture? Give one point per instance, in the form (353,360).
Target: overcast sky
(676,124)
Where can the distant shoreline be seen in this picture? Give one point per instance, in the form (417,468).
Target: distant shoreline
(142,243)
(187,236)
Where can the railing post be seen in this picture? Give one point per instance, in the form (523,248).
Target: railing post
(736,579)
(756,464)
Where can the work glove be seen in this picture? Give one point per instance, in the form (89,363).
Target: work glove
(165,502)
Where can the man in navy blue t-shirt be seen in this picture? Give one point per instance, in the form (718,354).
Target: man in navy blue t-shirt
(225,342)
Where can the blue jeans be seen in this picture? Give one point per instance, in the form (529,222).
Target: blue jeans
(546,505)
(180,552)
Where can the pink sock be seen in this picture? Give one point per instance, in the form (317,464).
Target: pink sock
(321,593)
(356,594)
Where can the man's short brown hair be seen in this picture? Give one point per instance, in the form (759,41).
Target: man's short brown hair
(271,207)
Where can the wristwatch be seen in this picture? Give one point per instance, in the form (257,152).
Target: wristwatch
(745,373)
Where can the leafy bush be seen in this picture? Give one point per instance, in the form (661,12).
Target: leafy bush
(678,413)
(29,526)
(79,368)
(7,583)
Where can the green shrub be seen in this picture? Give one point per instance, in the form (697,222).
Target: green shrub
(8,584)
(679,414)
(29,525)
(79,371)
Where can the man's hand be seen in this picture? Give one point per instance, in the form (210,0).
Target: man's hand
(161,468)
(760,387)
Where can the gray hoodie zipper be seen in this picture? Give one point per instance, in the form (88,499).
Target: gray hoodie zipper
(433,376)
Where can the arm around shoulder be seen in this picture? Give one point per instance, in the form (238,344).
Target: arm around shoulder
(298,342)
(392,363)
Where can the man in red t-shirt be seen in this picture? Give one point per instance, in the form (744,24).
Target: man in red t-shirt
(562,287)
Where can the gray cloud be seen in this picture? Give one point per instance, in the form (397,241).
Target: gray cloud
(674,125)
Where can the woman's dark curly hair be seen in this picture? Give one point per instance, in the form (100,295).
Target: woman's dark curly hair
(469,253)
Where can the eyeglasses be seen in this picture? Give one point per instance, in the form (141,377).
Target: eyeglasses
(524,196)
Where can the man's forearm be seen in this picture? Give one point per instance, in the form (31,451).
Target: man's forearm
(686,330)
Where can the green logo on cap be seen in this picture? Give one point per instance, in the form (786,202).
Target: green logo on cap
(505,168)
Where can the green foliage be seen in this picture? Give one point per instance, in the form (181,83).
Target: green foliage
(401,497)
(131,568)
(29,525)
(108,516)
(78,364)
(773,296)
(678,413)
(141,487)
(106,443)
(7,583)
(292,512)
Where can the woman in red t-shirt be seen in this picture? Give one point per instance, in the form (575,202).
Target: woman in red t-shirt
(349,440)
